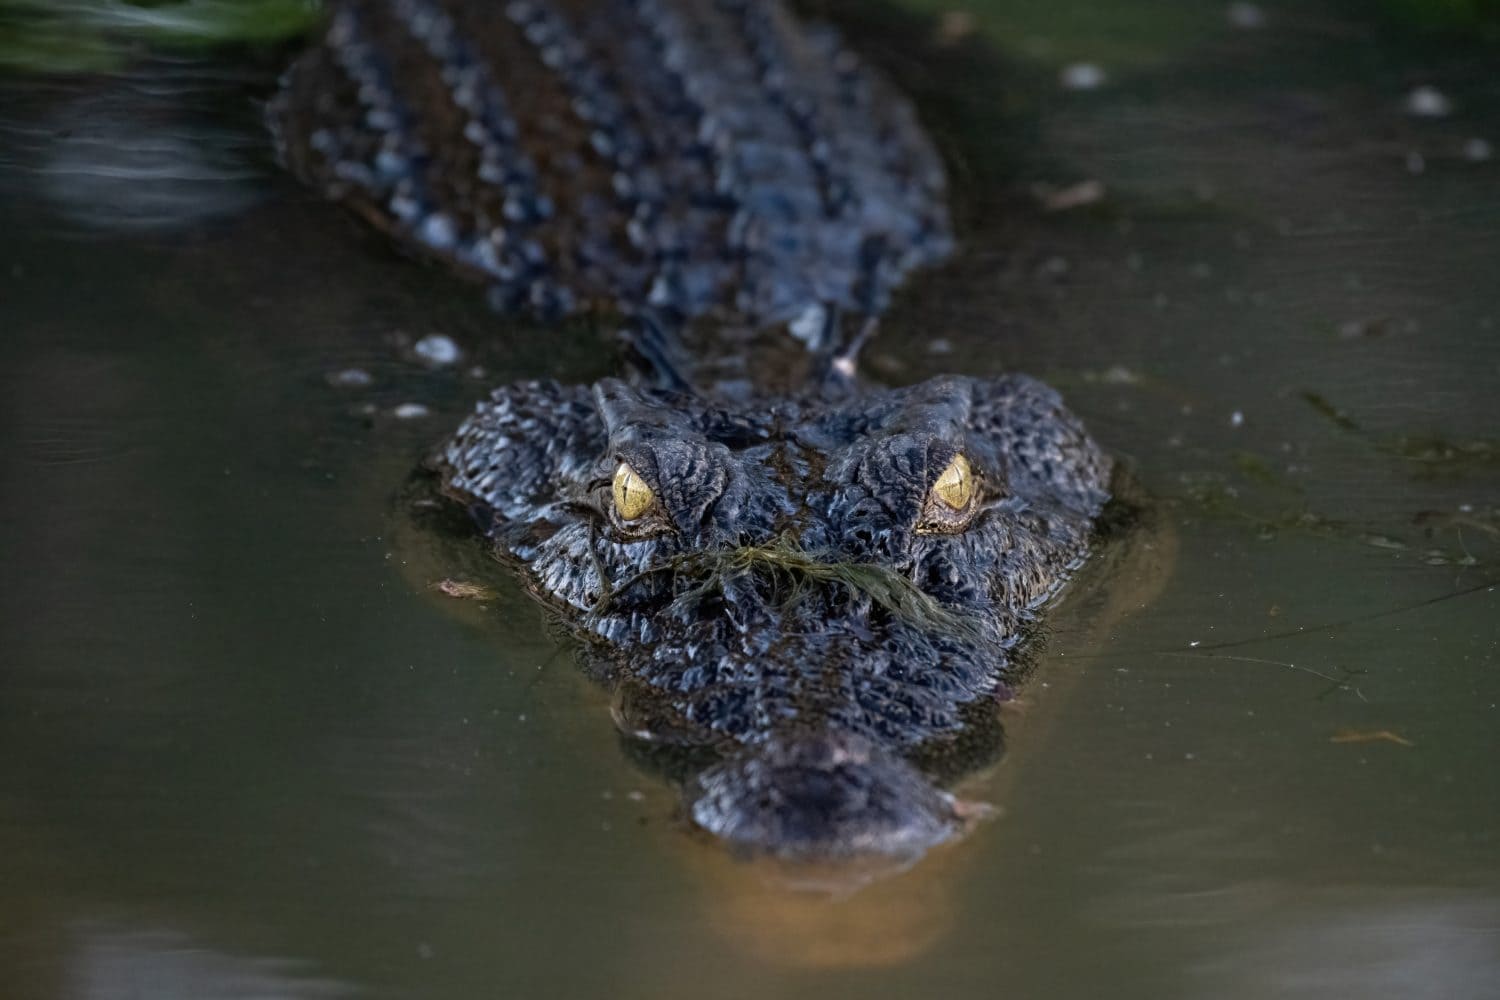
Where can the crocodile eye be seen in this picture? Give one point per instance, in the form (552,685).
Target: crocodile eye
(955,487)
(632,496)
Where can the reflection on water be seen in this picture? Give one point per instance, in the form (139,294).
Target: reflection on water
(137,152)
(1330,942)
(111,170)
(110,963)
(865,926)
(246,749)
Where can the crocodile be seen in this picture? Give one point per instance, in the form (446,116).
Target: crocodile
(808,586)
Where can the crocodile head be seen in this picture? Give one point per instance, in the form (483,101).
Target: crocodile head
(815,595)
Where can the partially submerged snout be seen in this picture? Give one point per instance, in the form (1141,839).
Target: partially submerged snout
(818,591)
(827,797)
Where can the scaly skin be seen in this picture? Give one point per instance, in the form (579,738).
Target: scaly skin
(795,597)
(812,701)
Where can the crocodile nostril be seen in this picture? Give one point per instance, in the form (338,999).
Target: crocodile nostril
(824,797)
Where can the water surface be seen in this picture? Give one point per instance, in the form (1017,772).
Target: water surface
(246,750)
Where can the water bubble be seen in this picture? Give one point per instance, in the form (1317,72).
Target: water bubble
(410,411)
(350,378)
(1082,76)
(1245,16)
(438,350)
(1428,102)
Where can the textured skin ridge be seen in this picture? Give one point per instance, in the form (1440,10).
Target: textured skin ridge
(795,601)
(681,156)
(728,658)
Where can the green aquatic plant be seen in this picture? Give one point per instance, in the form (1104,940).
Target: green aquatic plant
(1330,413)
(1429,452)
(1436,450)
(72,36)
(1211,497)
(791,571)
(1258,469)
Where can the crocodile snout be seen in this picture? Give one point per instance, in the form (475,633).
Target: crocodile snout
(824,797)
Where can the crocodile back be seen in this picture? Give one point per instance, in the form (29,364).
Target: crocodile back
(685,158)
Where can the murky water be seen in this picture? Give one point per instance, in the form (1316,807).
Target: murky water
(247,751)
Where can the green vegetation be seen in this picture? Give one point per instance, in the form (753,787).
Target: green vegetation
(1444,15)
(1434,538)
(1431,453)
(98,35)
(72,36)
(788,570)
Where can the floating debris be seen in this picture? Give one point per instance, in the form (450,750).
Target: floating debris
(437,350)
(1432,449)
(1256,468)
(956,26)
(410,411)
(1478,150)
(350,378)
(1416,163)
(1082,76)
(1359,329)
(1329,412)
(1055,199)
(1054,267)
(1428,102)
(1487,523)
(1245,16)
(1370,736)
(1114,375)
(464,590)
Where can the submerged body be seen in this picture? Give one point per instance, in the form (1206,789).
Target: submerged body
(692,157)
(812,583)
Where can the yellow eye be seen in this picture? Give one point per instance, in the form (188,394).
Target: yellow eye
(955,487)
(632,496)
